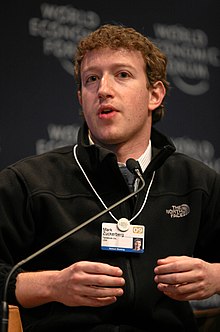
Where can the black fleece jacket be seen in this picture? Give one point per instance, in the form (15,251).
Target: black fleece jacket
(44,196)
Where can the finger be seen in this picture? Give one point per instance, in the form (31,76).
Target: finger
(84,300)
(177,278)
(98,302)
(101,292)
(186,296)
(96,291)
(98,268)
(178,265)
(104,281)
(170,259)
(182,289)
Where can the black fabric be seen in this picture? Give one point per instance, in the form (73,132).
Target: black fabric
(39,204)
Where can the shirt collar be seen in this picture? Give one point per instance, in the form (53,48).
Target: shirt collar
(143,160)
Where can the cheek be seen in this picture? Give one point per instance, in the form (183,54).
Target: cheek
(85,104)
(139,97)
(87,99)
(140,106)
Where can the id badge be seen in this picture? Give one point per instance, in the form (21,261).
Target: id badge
(115,240)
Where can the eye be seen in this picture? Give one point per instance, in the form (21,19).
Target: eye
(91,79)
(123,74)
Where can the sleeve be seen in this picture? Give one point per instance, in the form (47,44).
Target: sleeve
(16,227)
(208,243)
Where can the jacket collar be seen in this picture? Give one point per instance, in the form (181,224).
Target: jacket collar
(93,155)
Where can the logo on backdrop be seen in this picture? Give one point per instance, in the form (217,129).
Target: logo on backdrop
(61,27)
(189,56)
(199,149)
(58,135)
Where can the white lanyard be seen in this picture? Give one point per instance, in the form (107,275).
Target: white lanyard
(100,199)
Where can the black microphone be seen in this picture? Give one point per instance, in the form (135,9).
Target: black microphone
(134,167)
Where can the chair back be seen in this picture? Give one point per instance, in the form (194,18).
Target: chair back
(14,319)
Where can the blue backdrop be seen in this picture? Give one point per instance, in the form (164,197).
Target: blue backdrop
(39,109)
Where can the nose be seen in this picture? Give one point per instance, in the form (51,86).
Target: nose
(105,89)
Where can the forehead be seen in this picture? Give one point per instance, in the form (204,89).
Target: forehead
(106,57)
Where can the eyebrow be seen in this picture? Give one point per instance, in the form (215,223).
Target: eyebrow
(114,66)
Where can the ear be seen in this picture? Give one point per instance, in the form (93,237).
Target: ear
(79,97)
(156,95)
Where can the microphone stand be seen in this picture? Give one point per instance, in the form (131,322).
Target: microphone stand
(134,168)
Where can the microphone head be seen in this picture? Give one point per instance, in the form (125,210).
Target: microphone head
(132,165)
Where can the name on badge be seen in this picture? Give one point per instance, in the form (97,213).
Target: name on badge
(115,240)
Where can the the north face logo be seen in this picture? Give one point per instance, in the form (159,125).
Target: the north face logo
(179,211)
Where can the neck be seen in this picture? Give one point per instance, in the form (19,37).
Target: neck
(125,150)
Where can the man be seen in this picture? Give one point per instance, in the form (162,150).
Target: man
(137,244)
(94,281)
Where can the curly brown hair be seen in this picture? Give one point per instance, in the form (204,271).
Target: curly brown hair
(116,37)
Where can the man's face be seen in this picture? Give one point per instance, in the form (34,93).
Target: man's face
(137,244)
(115,97)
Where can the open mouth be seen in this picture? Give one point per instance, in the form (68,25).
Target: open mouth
(107,111)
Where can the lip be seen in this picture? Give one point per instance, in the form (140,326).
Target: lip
(106,111)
